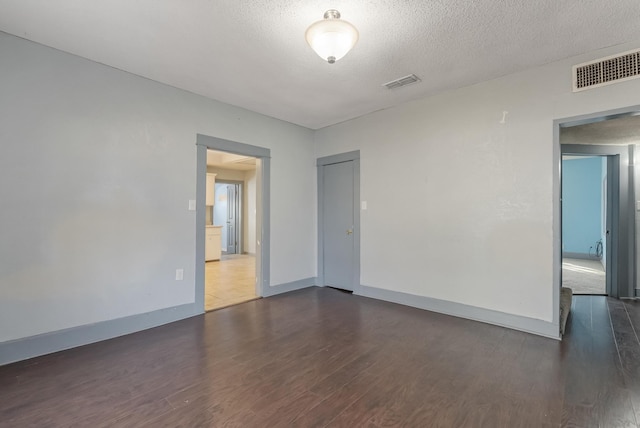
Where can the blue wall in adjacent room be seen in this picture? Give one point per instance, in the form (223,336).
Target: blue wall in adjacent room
(603,227)
(581,204)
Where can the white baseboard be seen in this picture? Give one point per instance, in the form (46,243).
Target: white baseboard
(582,256)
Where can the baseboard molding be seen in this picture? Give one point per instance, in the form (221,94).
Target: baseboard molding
(290,286)
(47,343)
(582,256)
(516,322)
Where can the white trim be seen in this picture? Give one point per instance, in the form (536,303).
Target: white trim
(583,256)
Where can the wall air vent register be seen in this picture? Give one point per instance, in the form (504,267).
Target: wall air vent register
(403,81)
(605,71)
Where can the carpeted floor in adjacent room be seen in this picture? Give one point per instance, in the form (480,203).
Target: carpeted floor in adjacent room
(583,276)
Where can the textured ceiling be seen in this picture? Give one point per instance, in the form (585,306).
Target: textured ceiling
(230,161)
(623,130)
(252,53)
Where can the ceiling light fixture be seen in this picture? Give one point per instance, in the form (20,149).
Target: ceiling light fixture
(332,37)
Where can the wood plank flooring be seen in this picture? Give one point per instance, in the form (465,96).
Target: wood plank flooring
(229,281)
(319,357)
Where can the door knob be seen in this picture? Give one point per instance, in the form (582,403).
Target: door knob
(349,231)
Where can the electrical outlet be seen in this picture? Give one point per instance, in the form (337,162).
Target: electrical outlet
(179,274)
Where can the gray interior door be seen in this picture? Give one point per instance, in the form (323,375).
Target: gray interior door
(232,219)
(338,225)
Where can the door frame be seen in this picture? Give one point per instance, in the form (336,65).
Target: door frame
(320,163)
(626,243)
(240,217)
(613,154)
(263,196)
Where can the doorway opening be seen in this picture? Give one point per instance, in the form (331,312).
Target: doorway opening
(608,138)
(585,224)
(230,245)
(227,213)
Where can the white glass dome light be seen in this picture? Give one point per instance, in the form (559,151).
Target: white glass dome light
(332,37)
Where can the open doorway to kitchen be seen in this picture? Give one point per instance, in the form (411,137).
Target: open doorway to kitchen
(230,230)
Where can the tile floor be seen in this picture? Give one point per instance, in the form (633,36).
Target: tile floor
(229,281)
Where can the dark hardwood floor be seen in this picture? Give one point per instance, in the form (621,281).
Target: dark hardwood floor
(319,357)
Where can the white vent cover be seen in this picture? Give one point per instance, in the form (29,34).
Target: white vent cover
(605,71)
(403,81)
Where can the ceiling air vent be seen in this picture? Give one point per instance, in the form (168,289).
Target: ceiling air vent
(403,81)
(605,71)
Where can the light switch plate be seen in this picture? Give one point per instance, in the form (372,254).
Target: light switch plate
(364,205)
(179,274)
(192,205)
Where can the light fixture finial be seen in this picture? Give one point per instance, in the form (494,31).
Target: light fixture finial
(331,38)
(332,14)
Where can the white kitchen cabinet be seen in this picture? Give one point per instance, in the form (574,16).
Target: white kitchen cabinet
(211,189)
(213,243)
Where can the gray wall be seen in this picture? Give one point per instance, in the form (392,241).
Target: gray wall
(474,222)
(96,172)
(98,166)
